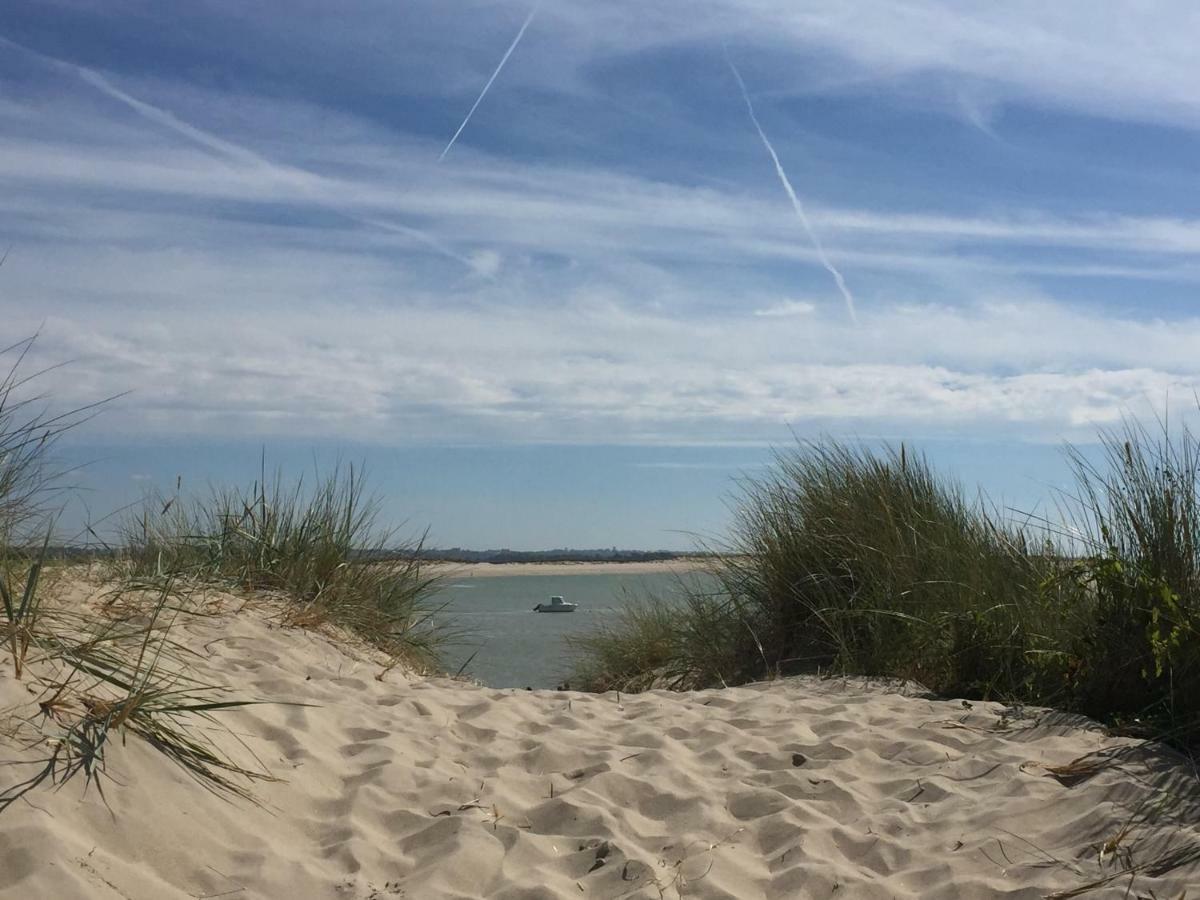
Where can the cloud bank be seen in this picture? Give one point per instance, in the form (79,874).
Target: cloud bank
(255,237)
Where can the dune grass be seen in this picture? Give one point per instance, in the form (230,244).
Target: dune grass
(317,545)
(107,671)
(849,560)
(1133,634)
(91,672)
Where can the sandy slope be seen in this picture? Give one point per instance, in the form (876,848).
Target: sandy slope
(431,788)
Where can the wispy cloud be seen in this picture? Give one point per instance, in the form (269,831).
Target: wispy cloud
(419,373)
(286,178)
(286,257)
(168,120)
(787,308)
(585,214)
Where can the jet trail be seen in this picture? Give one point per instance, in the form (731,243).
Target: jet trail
(167,120)
(306,182)
(417,235)
(486,87)
(796,204)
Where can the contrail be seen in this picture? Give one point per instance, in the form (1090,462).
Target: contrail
(486,87)
(796,204)
(167,120)
(300,178)
(417,235)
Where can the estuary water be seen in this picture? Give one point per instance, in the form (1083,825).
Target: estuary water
(516,647)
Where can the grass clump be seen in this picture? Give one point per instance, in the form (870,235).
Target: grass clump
(85,675)
(851,560)
(29,430)
(848,560)
(678,645)
(318,546)
(28,433)
(96,676)
(1133,649)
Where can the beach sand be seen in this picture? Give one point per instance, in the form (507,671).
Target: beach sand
(430,788)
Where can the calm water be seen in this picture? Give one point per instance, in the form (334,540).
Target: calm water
(516,647)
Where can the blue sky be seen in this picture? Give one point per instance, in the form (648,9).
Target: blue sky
(236,212)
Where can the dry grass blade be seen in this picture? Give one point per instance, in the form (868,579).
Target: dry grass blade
(112,678)
(1157,867)
(1072,773)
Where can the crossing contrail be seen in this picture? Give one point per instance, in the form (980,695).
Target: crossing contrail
(167,120)
(306,182)
(796,204)
(486,87)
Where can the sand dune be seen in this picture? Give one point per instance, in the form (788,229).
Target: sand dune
(430,788)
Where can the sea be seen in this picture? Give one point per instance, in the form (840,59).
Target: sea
(505,644)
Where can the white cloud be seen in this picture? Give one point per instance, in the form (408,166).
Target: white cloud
(592,371)
(578,214)
(266,267)
(1135,60)
(486,263)
(787,308)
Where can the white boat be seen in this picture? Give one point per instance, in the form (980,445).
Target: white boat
(556,604)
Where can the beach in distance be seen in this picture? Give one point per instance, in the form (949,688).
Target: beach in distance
(499,639)
(455,570)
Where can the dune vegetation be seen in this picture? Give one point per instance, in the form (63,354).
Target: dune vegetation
(91,672)
(93,648)
(849,560)
(317,546)
(841,560)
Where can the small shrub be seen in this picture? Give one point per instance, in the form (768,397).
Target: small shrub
(853,561)
(676,643)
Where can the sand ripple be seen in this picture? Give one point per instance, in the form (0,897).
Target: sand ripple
(437,789)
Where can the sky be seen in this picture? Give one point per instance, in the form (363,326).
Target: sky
(584,319)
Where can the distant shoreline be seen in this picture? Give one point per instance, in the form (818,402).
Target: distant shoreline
(640,567)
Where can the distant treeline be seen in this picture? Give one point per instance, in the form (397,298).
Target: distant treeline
(458,554)
(454,554)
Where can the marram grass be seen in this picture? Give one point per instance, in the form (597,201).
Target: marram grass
(316,545)
(849,560)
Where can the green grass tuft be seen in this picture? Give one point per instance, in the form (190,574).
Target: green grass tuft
(318,546)
(91,676)
(847,560)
